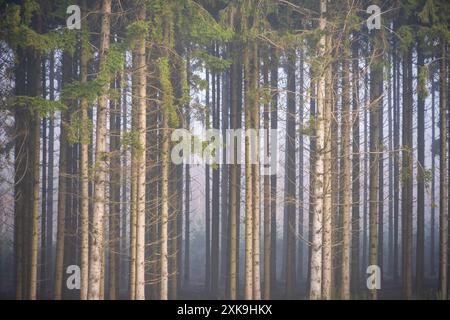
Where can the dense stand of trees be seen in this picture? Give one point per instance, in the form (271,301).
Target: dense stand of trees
(93,205)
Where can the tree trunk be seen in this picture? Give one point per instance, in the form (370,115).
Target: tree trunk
(273,178)
(376,85)
(315,289)
(141,77)
(355,224)
(62,186)
(345,192)
(420,177)
(97,245)
(49,211)
(34,81)
(249,103)
(235,86)
(256,177)
(407,173)
(84,164)
(443,178)
(266,199)
(290,188)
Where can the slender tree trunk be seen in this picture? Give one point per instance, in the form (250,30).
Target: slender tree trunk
(328,181)
(346,192)
(355,266)
(443,178)
(390,176)
(407,173)
(319,171)
(35,83)
(215,213)
(187,197)
(133,191)
(256,177)
(433,181)
(420,260)
(49,211)
(248,273)
(290,175)
(273,178)
(84,165)
(167,102)
(266,200)
(62,186)
(44,249)
(207,200)
(140,161)
(301,201)
(396,89)
(376,101)
(233,210)
(97,245)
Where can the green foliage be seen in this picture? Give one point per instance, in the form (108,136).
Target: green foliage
(137,30)
(167,99)
(198,82)
(17,31)
(38,105)
(428,14)
(308,128)
(77,128)
(211,62)
(422,82)
(406,36)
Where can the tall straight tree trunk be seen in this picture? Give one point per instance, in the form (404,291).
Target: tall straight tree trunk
(366,174)
(166,106)
(133,189)
(207,199)
(248,273)
(420,250)
(355,224)
(224,181)
(312,157)
(233,209)
(114,193)
(301,202)
(35,83)
(266,199)
(43,255)
(376,101)
(215,213)
(315,288)
(290,188)
(22,166)
(187,197)
(443,178)
(49,204)
(273,178)
(164,274)
(97,245)
(396,96)
(84,163)
(407,173)
(62,186)
(328,178)
(433,181)
(141,69)
(256,176)
(346,192)
(390,171)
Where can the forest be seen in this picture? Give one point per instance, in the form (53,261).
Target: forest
(224,149)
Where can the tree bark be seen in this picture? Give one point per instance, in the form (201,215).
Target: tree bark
(97,245)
